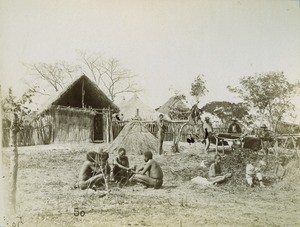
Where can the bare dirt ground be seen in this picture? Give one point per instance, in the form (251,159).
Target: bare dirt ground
(45,197)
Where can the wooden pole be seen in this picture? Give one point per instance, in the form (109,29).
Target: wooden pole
(14,163)
(107,126)
(82,94)
(110,126)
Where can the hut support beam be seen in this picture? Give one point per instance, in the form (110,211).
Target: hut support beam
(82,94)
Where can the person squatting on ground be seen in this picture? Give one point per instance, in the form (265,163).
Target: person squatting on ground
(94,171)
(207,130)
(151,174)
(121,170)
(254,171)
(215,172)
(162,128)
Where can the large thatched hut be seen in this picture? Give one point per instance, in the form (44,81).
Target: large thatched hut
(81,112)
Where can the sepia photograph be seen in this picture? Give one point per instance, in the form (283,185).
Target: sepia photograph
(149,113)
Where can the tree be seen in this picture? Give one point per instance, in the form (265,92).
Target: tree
(11,104)
(16,107)
(226,110)
(55,75)
(177,110)
(109,75)
(117,80)
(268,93)
(198,88)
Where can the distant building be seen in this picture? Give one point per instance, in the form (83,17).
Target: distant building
(175,103)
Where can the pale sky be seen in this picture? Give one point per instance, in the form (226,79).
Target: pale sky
(166,42)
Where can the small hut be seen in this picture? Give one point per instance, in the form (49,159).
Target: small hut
(136,109)
(80,112)
(135,138)
(177,103)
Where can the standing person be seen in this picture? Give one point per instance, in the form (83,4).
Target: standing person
(162,128)
(266,139)
(215,172)
(207,130)
(94,171)
(120,171)
(151,175)
(254,171)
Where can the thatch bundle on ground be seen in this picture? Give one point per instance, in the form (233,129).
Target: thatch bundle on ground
(135,138)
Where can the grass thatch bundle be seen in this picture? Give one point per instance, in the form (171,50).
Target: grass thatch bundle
(136,139)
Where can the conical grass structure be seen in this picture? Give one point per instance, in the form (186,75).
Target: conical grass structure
(135,138)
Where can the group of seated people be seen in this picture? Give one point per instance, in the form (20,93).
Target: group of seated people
(254,172)
(96,171)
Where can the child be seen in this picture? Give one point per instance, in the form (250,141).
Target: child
(255,171)
(280,169)
(121,169)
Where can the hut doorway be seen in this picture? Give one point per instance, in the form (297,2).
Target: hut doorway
(98,127)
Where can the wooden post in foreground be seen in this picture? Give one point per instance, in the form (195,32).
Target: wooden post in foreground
(14,163)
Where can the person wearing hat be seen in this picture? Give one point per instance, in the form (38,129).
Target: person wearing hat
(266,139)
(94,171)
(234,127)
(207,130)
(254,171)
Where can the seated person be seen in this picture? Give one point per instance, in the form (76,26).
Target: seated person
(254,171)
(94,171)
(215,173)
(280,170)
(151,175)
(234,127)
(120,172)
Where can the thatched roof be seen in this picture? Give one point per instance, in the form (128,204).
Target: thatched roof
(135,138)
(173,102)
(71,96)
(129,109)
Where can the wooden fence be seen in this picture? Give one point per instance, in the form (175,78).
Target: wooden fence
(153,129)
(29,136)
